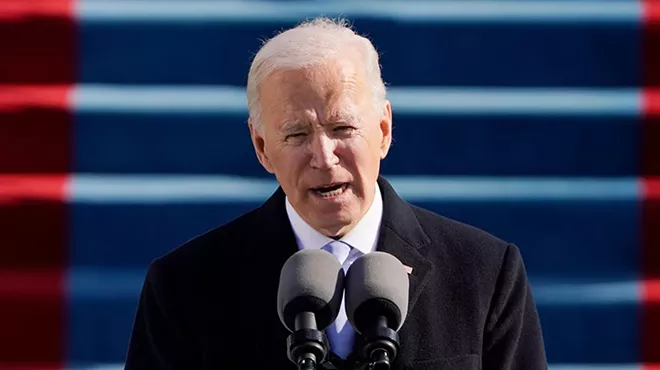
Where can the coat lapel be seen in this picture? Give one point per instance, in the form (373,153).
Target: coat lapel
(273,242)
(275,238)
(402,236)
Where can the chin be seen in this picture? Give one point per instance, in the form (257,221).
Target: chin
(336,231)
(334,224)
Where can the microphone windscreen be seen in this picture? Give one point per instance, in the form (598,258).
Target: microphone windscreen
(376,285)
(311,280)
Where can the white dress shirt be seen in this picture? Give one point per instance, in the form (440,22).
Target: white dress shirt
(362,239)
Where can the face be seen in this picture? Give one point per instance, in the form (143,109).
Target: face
(323,140)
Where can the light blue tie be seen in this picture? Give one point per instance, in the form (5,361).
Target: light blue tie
(340,333)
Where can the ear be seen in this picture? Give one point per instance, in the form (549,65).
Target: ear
(260,146)
(386,130)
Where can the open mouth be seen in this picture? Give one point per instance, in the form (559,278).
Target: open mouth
(330,190)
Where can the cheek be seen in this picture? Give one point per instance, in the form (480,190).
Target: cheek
(361,149)
(356,158)
(291,160)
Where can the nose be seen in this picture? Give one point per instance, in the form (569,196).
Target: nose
(323,152)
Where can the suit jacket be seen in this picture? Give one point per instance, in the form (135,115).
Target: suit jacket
(211,303)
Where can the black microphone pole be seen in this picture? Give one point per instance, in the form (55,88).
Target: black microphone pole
(381,345)
(307,347)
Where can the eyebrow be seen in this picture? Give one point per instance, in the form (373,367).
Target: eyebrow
(295,126)
(344,117)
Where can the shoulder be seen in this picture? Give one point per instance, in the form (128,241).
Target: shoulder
(482,264)
(485,279)
(469,247)
(456,232)
(192,257)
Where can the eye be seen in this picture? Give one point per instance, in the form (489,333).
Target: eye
(295,135)
(343,128)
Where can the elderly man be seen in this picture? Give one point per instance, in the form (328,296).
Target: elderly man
(321,123)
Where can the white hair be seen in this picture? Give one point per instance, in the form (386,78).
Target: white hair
(309,44)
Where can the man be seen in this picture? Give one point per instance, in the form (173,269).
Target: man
(320,122)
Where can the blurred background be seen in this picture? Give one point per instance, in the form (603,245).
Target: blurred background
(123,134)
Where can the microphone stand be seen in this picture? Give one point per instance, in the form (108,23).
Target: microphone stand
(381,345)
(307,346)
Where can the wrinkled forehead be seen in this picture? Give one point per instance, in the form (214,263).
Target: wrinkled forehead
(336,91)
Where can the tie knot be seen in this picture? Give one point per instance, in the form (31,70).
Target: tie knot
(339,249)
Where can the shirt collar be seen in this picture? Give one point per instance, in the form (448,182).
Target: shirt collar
(364,236)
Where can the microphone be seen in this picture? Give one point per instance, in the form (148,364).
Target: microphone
(377,304)
(308,301)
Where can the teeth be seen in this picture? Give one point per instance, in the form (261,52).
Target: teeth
(330,193)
